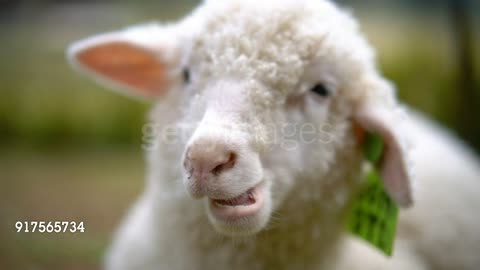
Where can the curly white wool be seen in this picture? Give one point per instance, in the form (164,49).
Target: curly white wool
(251,64)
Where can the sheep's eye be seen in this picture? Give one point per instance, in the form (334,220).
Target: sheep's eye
(320,90)
(186,75)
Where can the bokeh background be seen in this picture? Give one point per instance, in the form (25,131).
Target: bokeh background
(70,150)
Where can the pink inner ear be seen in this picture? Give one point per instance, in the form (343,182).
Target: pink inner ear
(393,165)
(127,64)
(394,172)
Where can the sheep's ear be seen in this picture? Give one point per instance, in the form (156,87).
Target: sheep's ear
(395,173)
(137,61)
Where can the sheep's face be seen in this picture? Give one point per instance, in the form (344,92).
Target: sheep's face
(261,92)
(259,96)
(260,87)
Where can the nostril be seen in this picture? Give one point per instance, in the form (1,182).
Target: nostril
(227,164)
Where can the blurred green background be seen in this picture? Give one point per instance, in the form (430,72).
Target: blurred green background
(70,150)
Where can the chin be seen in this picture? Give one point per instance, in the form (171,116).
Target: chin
(244,215)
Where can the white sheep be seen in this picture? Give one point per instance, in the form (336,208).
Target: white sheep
(261,107)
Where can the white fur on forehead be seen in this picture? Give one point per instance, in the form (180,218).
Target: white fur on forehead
(250,42)
(273,41)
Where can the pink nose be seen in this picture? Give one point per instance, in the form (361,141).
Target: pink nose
(207,158)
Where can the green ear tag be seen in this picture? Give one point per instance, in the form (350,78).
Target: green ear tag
(373,216)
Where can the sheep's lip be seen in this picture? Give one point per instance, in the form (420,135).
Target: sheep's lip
(244,205)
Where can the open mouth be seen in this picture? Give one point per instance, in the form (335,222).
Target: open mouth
(244,205)
(246,198)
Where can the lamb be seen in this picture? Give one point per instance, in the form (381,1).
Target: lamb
(254,145)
